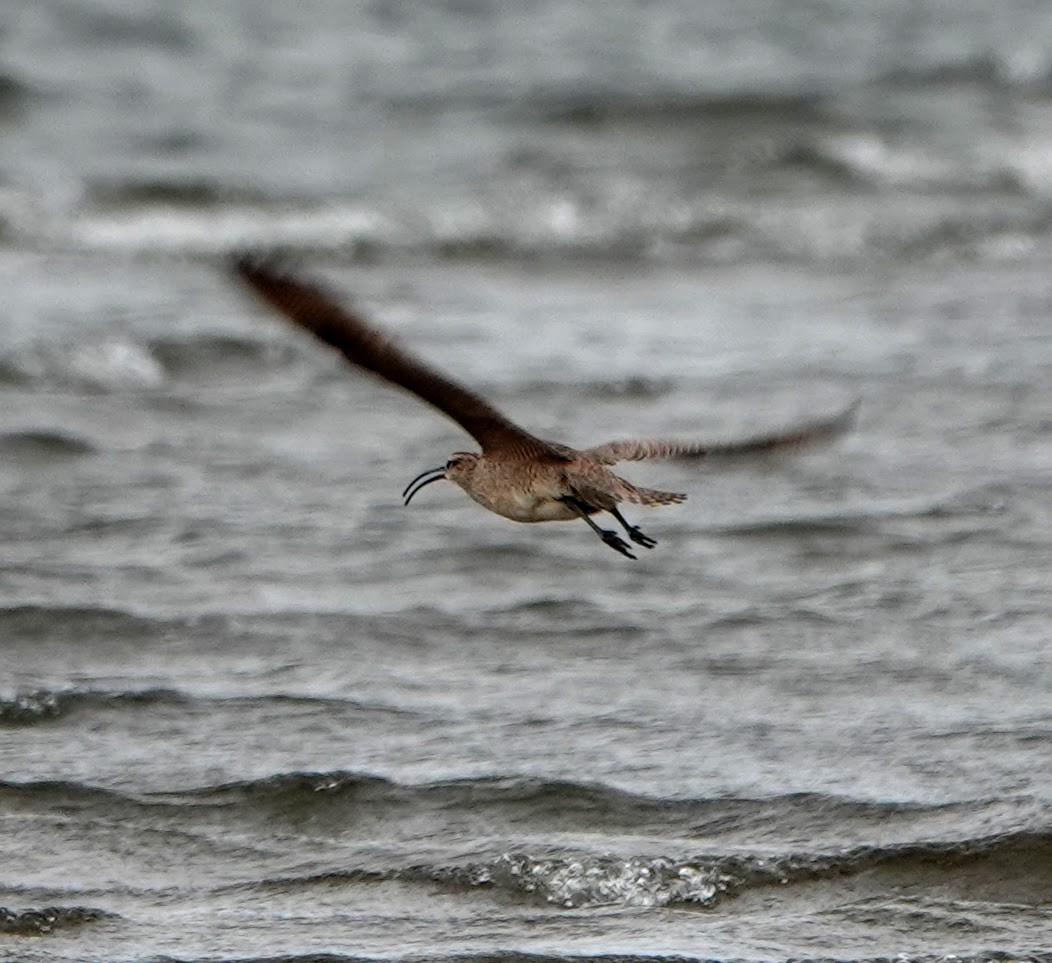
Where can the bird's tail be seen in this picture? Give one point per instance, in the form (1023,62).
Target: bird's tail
(650,496)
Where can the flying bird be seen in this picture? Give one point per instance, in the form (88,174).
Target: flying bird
(516,474)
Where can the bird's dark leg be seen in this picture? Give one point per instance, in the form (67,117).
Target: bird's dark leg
(615,541)
(633,531)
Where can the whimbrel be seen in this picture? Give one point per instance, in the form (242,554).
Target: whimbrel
(516,474)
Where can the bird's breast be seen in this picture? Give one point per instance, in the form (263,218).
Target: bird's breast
(523,491)
(524,505)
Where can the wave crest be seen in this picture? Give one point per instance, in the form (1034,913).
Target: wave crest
(28,707)
(39,922)
(103,367)
(610,881)
(586,880)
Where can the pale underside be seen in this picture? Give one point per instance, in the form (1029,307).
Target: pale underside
(532,491)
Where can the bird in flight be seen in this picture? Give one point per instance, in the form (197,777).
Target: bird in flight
(516,474)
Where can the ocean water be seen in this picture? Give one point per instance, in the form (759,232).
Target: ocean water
(254,709)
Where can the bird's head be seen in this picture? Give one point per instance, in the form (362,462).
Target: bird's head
(458,469)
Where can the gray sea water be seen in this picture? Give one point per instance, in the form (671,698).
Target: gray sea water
(253,709)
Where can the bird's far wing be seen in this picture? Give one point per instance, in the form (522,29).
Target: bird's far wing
(311,307)
(795,437)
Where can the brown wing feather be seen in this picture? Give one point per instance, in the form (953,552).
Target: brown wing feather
(814,431)
(311,307)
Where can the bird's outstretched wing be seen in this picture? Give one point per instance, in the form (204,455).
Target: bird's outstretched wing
(310,306)
(795,437)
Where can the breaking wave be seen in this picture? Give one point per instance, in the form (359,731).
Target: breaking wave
(48,919)
(709,866)
(580,879)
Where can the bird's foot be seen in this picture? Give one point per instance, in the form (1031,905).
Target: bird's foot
(616,542)
(639,538)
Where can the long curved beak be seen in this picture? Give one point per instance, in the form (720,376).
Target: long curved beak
(422,481)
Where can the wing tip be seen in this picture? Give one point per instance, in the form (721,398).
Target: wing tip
(256,267)
(817,432)
(278,282)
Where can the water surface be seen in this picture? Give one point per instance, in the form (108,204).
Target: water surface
(251,708)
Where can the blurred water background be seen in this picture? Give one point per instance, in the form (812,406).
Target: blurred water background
(253,709)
